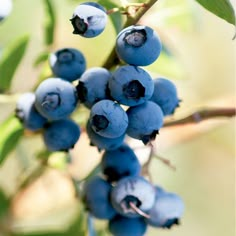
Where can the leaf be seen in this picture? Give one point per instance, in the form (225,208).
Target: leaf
(4,204)
(11,131)
(221,8)
(10,60)
(50,22)
(116,18)
(41,58)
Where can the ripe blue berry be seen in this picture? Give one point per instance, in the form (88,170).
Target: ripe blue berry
(103,142)
(131,85)
(119,163)
(165,95)
(93,86)
(124,226)
(67,63)
(167,210)
(108,119)
(89,19)
(132,190)
(5,9)
(145,120)
(27,113)
(61,135)
(55,98)
(96,196)
(138,45)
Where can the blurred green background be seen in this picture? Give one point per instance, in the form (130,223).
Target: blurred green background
(201,63)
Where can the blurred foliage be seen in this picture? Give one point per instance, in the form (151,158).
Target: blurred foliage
(11,57)
(11,131)
(223,9)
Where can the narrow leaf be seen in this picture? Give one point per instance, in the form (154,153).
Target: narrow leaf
(10,60)
(50,22)
(41,58)
(221,8)
(4,204)
(11,131)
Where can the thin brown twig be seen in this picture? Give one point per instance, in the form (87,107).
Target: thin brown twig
(203,114)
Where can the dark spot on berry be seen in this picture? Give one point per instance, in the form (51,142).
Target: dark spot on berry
(149,137)
(112,174)
(125,202)
(99,122)
(51,101)
(82,91)
(80,27)
(170,222)
(65,56)
(136,38)
(134,90)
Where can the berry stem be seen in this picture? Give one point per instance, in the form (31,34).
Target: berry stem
(138,211)
(113,10)
(203,114)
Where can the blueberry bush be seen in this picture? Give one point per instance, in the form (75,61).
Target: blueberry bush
(91,94)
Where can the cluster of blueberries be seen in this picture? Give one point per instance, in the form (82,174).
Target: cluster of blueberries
(126,101)
(126,199)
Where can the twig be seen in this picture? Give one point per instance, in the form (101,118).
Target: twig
(165,161)
(203,114)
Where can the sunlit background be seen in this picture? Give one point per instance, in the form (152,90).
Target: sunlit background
(200,59)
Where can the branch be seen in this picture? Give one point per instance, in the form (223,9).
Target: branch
(203,114)
(112,59)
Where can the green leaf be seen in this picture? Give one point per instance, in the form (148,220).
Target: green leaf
(41,58)
(116,18)
(50,22)
(11,131)
(221,8)
(4,204)
(10,60)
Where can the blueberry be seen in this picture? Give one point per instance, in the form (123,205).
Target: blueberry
(145,120)
(27,113)
(119,163)
(167,210)
(131,85)
(108,119)
(89,19)
(103,142)
(96,196)
(61,135)
(93,86)
(55,98)
(138,45)
(5,9)
(165,95)
(67,63)
(124,226)
(132,191)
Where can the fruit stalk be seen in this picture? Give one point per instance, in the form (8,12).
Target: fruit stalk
(201,115)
